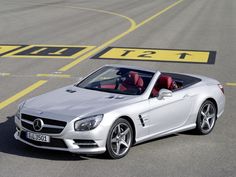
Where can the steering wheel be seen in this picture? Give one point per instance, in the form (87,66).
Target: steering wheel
(118,81)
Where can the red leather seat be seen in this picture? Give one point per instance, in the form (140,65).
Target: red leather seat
(108,86)
(164,82)
(133,81)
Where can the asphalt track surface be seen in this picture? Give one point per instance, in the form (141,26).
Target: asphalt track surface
(168,24)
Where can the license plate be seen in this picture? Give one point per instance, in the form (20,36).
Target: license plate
(38,137)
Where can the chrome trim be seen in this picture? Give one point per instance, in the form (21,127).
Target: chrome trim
(45,125)
(85,144)
(26,121)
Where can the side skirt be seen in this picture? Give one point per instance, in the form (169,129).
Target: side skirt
(158,135)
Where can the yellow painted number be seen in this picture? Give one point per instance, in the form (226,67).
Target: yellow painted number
(38,51)
(167,55)
(147,54)
(59,52)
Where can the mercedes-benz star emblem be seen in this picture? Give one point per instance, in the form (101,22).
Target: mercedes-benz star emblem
(38,124)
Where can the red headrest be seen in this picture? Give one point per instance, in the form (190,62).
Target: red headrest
(134,79)
(165,82)
(140,82)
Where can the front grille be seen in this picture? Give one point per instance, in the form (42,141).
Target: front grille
(50,126)
(54,142)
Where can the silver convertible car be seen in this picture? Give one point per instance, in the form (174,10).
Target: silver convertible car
(116,107)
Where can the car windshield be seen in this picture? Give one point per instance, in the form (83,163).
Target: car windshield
(118,80)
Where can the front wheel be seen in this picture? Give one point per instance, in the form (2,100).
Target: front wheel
(206,118)
(119,139)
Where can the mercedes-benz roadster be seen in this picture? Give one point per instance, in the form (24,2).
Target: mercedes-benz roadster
(116,107)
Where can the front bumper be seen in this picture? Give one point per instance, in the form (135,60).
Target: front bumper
(90,142)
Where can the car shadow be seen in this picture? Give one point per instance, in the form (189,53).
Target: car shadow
(9,145)
(190,132)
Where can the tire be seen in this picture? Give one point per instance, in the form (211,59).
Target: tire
(206,118)
(119,139)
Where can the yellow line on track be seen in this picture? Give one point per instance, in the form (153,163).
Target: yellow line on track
(94,51)
(158,14)
(54,75)
(22,93)
(60,76)
(5,74)
(64,76)
(231,84)
(38,84)
(133,27)
(88,9)
(132,22)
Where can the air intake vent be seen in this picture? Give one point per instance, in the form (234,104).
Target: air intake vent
(70,90)
(85,143)
(115,97)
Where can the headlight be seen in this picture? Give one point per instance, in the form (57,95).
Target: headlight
(18,115)
(88,123)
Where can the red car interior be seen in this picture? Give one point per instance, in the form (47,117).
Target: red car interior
(133,80)
(164,82)
(108,86)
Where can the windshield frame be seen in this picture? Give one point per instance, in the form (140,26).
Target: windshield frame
(103,69)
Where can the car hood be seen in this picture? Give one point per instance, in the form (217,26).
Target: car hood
(73,102)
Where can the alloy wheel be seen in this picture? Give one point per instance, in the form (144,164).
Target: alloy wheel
(207,117)
(121,139)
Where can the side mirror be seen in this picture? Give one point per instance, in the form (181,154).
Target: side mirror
(164,93)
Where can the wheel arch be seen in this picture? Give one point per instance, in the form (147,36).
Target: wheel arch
(132,125)
(198,106)
(199,129)
(214,102)
(198,103)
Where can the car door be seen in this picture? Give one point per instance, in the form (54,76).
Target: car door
(170,112)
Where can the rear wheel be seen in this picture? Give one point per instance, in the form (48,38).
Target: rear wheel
(119,139)
(206,118)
